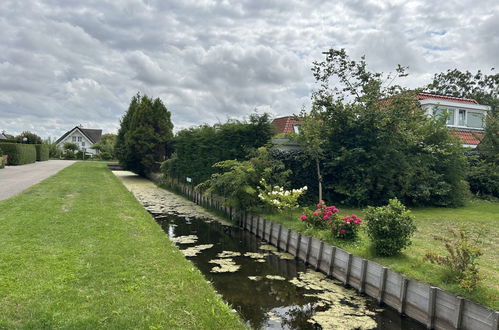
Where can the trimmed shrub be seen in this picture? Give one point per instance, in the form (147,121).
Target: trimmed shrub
(42,152)
(390,227)
(483,177)
(19,154)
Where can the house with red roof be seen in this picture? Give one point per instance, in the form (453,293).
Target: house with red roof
(465,117)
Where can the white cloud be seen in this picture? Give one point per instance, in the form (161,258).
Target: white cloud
(64,63)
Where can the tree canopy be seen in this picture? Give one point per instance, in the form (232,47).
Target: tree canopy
(29,138)
(142,139)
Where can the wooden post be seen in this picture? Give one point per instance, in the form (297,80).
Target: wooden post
(430,323)
(403,294)
(279,237)
(298,244)
(288,237)
(458,316)
(363,271)
(347,270)
(331,261)
(263,228)
(257,226)
(382,282)
(270,231)
(319,256)
(495,321)
(309,247)
(251,224)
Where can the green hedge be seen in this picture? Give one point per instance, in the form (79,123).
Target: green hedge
(19,154)
(42,152)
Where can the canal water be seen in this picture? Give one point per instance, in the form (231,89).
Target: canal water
(268,288)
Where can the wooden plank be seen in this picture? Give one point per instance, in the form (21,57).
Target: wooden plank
(263,229)
(331,261)
(309,246)
(458,316)
(298,244)
(257,227)
(288,237)
(347,269)
(270,232)
(279,237)
(431,307)
(382,283)
(363,269)
(319,256)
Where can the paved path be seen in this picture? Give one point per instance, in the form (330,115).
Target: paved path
(14,179)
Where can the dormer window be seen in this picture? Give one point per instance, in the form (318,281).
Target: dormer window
(461,119)
(475,119)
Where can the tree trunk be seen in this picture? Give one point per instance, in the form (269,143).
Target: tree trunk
(319,177)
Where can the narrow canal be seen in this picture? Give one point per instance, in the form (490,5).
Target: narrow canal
(268,288)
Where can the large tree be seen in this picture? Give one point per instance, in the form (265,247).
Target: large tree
(379,143)
(144,133)
(29,138)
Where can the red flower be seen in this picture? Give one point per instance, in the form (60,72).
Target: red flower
(303,218)
(343,231)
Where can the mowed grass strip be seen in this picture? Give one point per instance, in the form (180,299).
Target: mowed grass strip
(429,221)
(78,251)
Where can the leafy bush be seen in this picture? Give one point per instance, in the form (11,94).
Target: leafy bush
(19,154)
(69,154)
(390,227)
(105,155)
(483,177)
(42,152)
(27,137)
(238,181)
(464,250)
(327,217)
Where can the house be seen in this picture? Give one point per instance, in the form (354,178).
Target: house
(286,124)
(84,138)
(4,136)
(465,117)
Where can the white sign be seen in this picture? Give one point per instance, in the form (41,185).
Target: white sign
(188,179)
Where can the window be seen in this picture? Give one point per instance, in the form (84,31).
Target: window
(439,112)
(74,139)
(296,129)
(461,118)
(79,138)
(475,119)
(83,144)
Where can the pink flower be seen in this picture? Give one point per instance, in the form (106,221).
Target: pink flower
(322,202)
(343,231)
(330,223)
(326,217)
(319,205)
(316,213)
(303,218)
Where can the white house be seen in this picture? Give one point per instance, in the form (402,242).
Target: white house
(84,138)
(465,117)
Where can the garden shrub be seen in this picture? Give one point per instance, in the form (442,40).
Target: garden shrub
(278,198)
(2,160)
(327,217)
(464,250)
(483,177)
(19,154)
(390,227)
(42,152)
(105,155)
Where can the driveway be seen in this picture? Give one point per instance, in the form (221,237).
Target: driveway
(14,179)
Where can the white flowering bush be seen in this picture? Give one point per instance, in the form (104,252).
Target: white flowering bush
(278,198)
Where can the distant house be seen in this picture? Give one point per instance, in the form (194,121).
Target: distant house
(4,136)
(465,117)
(84,138)
(286,124)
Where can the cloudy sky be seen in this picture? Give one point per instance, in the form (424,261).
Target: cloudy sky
(69,62)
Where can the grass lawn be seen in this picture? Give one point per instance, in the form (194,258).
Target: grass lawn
(429,221)
(78,251)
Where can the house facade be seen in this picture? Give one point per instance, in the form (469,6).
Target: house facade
(465,117)
(84,138)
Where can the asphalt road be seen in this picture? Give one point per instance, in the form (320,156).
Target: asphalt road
(14,179)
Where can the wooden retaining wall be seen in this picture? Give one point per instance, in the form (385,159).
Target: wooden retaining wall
(433,307)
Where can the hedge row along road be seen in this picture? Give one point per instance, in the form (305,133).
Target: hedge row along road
(79,251)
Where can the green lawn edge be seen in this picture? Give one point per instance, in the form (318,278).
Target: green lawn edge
(78,251)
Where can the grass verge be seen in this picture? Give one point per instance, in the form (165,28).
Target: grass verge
(78,251)
(429,220)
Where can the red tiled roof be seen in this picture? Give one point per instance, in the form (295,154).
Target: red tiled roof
(424,96)
(284,124)
(468,137)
